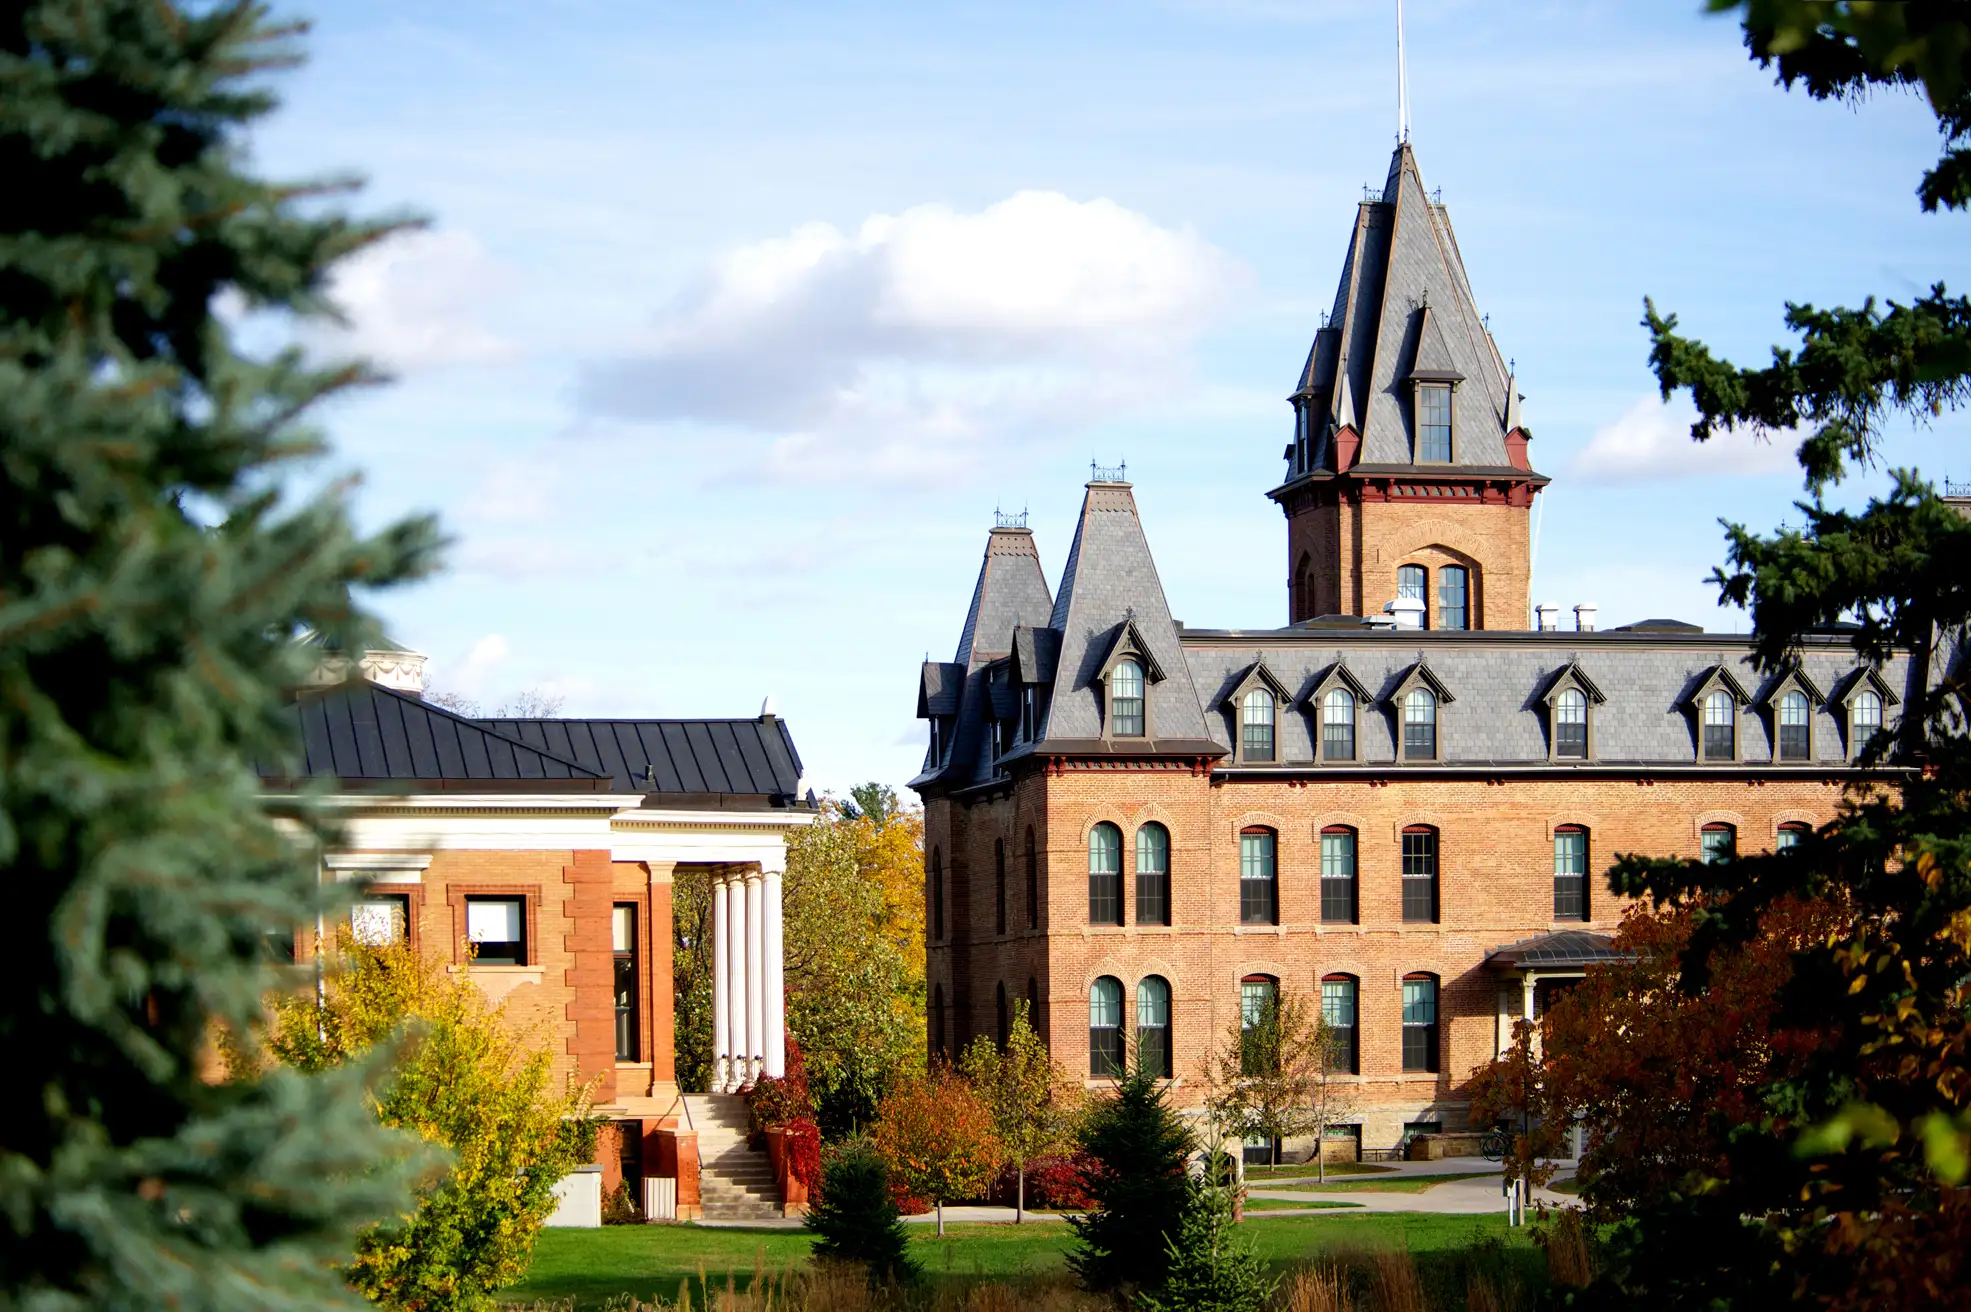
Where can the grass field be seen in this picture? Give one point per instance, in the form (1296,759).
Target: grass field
(592,1265)
(1254,1174)
(1280,1204)
(1406,1184)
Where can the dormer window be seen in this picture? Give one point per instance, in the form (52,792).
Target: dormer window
(1338,725)
(1434,422)
(1029,712)
(1720,726)
(1864,718)
(937,740)
(1256,725)
(1420,725)
(1571,725)
(1796,724)
(1126,699)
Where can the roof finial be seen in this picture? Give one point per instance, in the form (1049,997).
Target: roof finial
(1402,81)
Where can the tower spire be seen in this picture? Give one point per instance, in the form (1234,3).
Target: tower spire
(1402,81)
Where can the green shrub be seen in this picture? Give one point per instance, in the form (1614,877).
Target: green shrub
(1138,1146)
(856,1220)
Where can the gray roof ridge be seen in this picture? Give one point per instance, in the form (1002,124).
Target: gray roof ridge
(434,708)
(1002,545)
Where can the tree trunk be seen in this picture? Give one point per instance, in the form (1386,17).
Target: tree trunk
(1020,1194)
(940,1218)
(1321,1155)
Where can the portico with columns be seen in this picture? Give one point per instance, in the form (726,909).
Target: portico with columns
(749,1005)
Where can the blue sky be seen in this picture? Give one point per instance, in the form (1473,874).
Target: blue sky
(735,323)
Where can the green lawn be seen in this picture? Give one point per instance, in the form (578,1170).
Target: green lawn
(1407,1184)
(1278,1204)
(592,1265)
(1299,1169)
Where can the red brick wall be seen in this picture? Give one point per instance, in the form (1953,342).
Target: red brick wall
(590,1006)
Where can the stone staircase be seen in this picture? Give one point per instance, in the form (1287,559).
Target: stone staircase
(735,1183)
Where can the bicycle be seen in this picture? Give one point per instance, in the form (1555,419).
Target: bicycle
(1494,1145)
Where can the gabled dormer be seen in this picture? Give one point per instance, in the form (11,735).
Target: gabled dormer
(1257,703)
(1335,700)
(1714,703)
(1570,698)
(940,689)
(1126,675)
(1790,700)
(1862,697)
(1416,705)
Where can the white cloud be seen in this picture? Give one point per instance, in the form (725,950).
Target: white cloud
(414,301)
(896,351)
(1651,442)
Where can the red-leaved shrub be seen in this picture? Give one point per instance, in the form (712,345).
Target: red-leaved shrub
(1054,1181)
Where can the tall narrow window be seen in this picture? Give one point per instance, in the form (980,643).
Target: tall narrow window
(1433,421)
(1033,882)
(1105,875)
(1153,875)
(1795,727)
(937,895)
(1033,1006)
(1153,1026)
(1420,725)
(623,940)
(380,918)
(1259,877)
(1338,725)
(1571,873)
(938,1036)
(1338,1012)
(1420,874)
(1001,1029)
(1259,997)
(497,929)
(1338,875)
(1028,718)
(1126,700)
(1719,842)
(1256,725)
(1864,719)
(1571,725)
(1720,726)
(1412,583)
(1303,588)
(1105,1027)
(1790,835)
(999,885)
(1453,598)
(1419,1023)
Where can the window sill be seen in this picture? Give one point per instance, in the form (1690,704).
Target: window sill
(499,982)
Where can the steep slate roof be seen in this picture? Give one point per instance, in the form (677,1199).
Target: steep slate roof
(1404,309)
(1011,591)
(1110,582)
(361,733)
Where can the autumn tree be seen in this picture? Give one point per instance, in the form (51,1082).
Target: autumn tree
(1274,1075)
(937,1136)
(460,1077)
(1840,1178)
(1028,1093)
(158,558)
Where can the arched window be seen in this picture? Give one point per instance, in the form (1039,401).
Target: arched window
(1153,1026)
(1570,873)
(1338,875)
(999,885)
(1105,875)
(1720,726)
(1413,584)
(1259,877)
(1259,1000)
(1033,882)
(1256,725)
(1303,588)
(1795,727)
(1864,718)
(1791,834)
(1571,725)
(1105,1027)
(1453,597)
(1434,421)
(1718,842)
(1033,1006)
(1420,874)
(1420,1022)
(1338,1012)
(1420,725)
(937,894)
(938,1044)
(1126,700)
(1338,725)
(1153,875)
(1001,1027)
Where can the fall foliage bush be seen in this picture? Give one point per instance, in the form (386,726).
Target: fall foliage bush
(937,1137)
(1056,1181)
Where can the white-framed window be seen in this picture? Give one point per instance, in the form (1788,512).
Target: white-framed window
(1720,726)
(1105,1027)
(1420,725)
(1864,718)
(1718,842)
(497,929)
(1256,725)
(1105,875)
(1338,725)
(1434,421)
(1571,873)
(379,919)
(1126,699)
(1413,583)
(1153,1026)
(1795,715)
(1571,725)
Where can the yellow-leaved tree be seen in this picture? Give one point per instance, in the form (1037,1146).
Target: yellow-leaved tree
(469,1082)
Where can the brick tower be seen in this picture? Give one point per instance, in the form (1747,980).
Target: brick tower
(1408,475)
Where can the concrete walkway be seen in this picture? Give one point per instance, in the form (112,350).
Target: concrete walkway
(1479,1195)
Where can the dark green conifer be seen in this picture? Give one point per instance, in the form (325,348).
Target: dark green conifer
(856,1220)
(1211,1269)
(152,584)
(1139,1146)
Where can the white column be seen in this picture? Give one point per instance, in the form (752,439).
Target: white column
(776,980)
(755,976)
(721,1003)
(735,981)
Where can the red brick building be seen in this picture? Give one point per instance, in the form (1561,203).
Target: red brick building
(1400,805)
